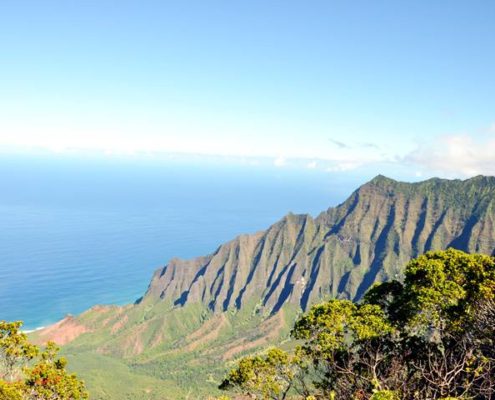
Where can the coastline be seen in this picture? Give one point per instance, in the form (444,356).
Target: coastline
(28,331)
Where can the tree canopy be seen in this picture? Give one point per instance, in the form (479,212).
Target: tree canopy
(30,373)
(431,336)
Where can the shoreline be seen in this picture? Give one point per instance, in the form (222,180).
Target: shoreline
(27,331)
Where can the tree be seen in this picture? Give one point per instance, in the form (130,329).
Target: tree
(268,376)
(431,336)
(15,350)
(439,309)
(44,378)
(349,346)
(48,379)
(11,391)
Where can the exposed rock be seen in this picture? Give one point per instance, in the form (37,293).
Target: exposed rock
(63,332)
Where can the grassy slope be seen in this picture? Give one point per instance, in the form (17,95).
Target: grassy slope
(189,365)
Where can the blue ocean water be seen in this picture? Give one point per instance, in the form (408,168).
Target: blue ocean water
(80,232)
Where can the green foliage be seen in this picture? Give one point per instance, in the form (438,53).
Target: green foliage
(44,379)
(431,337)
(442,289)
(11,390)
(268,377)
(385,395)
(337,325)
(325,326)
(15,349)
(48,379)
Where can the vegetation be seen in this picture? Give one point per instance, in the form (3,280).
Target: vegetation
(27,372)
(188,363)
(430,337)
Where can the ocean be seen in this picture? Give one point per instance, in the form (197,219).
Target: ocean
(76,232)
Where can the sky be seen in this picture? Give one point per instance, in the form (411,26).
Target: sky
(380,86)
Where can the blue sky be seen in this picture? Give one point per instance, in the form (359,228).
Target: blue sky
(329,85)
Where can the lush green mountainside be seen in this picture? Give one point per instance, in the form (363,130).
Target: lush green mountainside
(199,314)
(340,253)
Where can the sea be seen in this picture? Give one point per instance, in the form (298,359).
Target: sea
(81,231)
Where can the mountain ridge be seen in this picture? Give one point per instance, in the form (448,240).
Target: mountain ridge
(336,237)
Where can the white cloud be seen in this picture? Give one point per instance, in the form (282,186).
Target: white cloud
(455,155)
(284,147)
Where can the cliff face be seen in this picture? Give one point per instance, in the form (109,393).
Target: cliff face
(341,253)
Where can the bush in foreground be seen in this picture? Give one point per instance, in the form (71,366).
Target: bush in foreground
(28,373)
